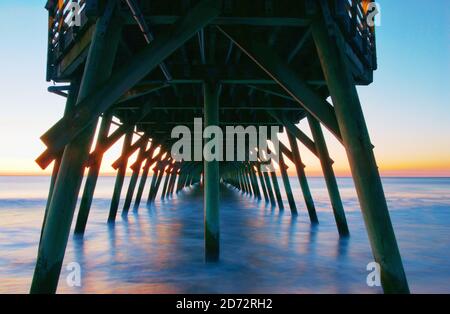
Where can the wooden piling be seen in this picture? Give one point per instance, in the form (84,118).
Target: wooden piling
(134,177)
(359,149)
(211,178)
(120,177)
(60,213)
(263,185)
(276,188)
(91,180)
(269,189)
(299,166)
(330,179)
(287,185)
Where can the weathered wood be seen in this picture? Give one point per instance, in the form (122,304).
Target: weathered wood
(276,188)
(91,180)
(269,189)
(330,178)
(361,158)
(211,178)
(134,177)
(119,179)
(300,167)
(287,186)
(60,213)
(263,185)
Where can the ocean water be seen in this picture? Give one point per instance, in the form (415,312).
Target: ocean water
(159,249)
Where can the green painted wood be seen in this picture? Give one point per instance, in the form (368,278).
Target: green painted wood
(269,189)
(211,179)
(287,186)
(362,161)
(91,180)
(299,166)
(120,177)
(134,178)
(62,206)
(330,178)
(276,188)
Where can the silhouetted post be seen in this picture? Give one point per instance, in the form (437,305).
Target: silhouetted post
(299,166)
(166,182)
(70,103)
(211,178)
(153,184)
(134,178)
(91,180)
(255,181)
(276,187)
(269,189)
(157,184)
(145,171)
(357,143)
(287,185)
(67,186)
(120,178)
(330,179)
(263,185)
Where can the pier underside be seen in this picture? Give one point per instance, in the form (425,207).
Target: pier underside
(146,67)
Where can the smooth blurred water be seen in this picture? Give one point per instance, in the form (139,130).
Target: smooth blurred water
(159,249)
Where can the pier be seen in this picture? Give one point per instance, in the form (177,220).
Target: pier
(135,69)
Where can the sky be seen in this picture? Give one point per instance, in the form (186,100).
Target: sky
(407,107)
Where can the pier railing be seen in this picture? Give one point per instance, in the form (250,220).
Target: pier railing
(350,15)
(353,18)
(61,29)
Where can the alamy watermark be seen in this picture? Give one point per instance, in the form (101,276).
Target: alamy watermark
(73,279)
(73,16)
(374,277)
(249,143)
(373,17)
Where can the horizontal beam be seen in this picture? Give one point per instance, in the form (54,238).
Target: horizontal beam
(249,21)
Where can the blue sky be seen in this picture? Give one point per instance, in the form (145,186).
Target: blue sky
(407,107)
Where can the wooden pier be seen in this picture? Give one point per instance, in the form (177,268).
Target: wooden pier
(146,66)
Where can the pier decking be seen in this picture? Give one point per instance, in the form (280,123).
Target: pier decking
(148,66)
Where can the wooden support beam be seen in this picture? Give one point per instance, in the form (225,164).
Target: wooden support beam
(166,183)
(263,185)
(134,177)
(211,178)
(148,163)
(269,189)
(330,179)
(60,212)
(91,180)
(119,179)
(130,151)
(264,56)
(287,186)
(251,172)
(300,167)
(152,186)
(276,187)
(231,20)
(292,128)
(361,158)
(70,103)
(145,61)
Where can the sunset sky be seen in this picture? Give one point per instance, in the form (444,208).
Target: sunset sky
(407,107)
